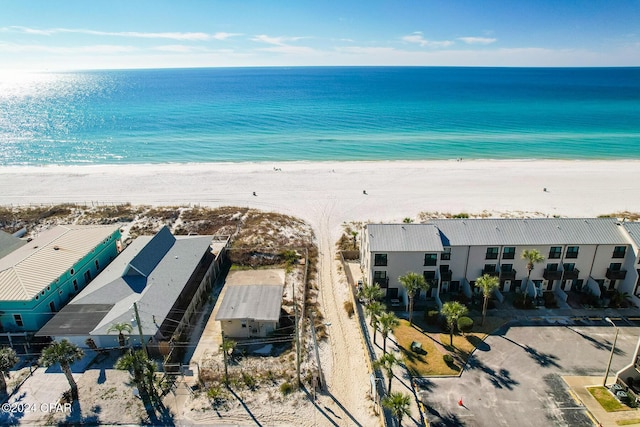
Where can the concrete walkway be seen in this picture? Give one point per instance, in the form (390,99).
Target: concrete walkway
(578,386)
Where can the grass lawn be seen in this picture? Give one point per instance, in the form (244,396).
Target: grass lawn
(629,422)
(608,402)
(431,362)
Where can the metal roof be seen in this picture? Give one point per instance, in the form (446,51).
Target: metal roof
(257,302)
(9,243)
(538,231)
(32,267)
(633,228)
(403,238)
(75,319)
(155,294)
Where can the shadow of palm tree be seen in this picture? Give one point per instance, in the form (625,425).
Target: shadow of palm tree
(75,417)
(542,359)
(478,343)
(604,345)
(499,379)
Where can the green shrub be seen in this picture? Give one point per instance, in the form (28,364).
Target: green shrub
(461,215)
(249,381)
(448,359)
(286,388)
(465,324)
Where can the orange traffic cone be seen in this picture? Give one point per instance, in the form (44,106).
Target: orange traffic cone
(460,402)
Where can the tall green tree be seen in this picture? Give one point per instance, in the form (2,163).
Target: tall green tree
(374,310)
(371,293)
(387,362)
(8,359)
(533,257)
(64,354)
(142,370)
(121,328)
(488,284)
(399,404)
(452,311)
(388,322)
(413,283)
(226,347)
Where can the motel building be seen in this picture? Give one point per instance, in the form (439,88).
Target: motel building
(40,275)
(584,255)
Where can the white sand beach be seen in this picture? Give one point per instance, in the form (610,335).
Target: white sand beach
(329,193)
(326,194)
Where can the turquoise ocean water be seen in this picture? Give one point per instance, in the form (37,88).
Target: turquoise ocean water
(319,113)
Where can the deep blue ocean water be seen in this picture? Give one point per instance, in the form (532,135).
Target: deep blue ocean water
(319,113)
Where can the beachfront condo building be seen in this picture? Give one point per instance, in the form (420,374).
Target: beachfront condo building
(595,256)
(40,275)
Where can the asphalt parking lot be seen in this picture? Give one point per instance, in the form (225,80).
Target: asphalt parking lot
(514,377)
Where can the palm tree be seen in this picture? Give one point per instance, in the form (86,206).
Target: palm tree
(8,359)
(399,404)
(141,368)
(120,328)
(388,322)
(412,283)
(453,310)
(488,284)
(226,347)
(64,354)
(371,293)
(387,362)
(533,257)
(374,310)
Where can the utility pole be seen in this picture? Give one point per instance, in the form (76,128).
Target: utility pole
(144,345)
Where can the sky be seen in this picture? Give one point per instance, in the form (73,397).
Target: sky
(117,34)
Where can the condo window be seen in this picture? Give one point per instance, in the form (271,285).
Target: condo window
(555,252)
(18,319)
(444,268)
(572,251)
(446,255)
(509,252)
(506,268)
(619,251)
(615,266)
(492,253)
(429,276)
(380,278)
(569,266)
(380,260)
(490,268)
(552,267)
(430,259)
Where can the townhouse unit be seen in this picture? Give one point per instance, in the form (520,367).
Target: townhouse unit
(580,254)
(40,275)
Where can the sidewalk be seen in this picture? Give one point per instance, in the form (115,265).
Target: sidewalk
(578,386)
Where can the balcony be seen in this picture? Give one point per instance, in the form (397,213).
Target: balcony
(616,274)
(446,275)
(382,282)
(570,274)
(490,272)
(552,274)
(508,275)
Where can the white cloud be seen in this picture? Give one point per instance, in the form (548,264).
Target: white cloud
(417,38)
(100,48)
(189,36)
(179,48)
(277,41)
(477,40)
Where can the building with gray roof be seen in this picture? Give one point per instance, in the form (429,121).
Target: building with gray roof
(251,303)
(594,255)
(165,276)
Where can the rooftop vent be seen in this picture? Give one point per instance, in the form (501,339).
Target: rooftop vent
(56,248)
